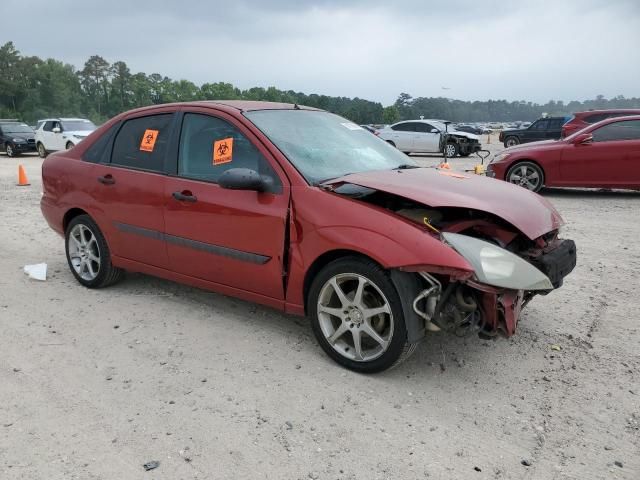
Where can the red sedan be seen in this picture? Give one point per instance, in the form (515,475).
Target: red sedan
(306,212)
(604,155)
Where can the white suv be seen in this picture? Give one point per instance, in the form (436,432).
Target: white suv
(53,134)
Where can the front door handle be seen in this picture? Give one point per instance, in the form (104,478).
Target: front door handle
(185,196)
(107,179)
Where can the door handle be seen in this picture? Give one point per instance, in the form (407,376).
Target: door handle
(107,180)
(185,196)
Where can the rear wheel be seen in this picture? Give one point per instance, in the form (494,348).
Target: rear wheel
(356,315)
(526,174)
(511,142)
(42,152)
(88,254)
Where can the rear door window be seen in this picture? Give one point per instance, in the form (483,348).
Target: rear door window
(142,143)
(209,146)
(627,130)
(404,127)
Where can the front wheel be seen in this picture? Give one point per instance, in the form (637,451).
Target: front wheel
(391,143)
(88,254)
(42,152)
(357,317)
(526,174)
(69,145)
(452,149)
(10,151)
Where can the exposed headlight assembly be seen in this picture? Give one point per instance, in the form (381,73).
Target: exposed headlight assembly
(496,266)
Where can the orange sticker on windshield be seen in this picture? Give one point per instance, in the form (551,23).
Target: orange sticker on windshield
(222,151)
(149,140)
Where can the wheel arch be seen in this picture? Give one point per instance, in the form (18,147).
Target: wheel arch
(70,215)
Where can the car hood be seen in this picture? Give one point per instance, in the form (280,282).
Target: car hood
(541,144)
(463,134)
(529,212)
(21,136)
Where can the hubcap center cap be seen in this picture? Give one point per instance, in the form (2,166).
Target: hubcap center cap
(355,316)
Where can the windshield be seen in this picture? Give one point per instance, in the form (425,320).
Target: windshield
(78,125)
(16,128)
(323,146)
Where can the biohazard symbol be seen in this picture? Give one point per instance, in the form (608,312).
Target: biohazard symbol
(148,140)
(222,151)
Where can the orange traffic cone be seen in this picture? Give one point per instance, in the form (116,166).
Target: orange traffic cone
(22,177)
(445,165)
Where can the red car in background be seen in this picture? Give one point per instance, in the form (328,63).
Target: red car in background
(604,155)
(582,120)
(306,212)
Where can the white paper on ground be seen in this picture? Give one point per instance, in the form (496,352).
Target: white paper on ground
(37,271)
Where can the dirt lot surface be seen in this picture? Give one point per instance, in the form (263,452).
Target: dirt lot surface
(93,384)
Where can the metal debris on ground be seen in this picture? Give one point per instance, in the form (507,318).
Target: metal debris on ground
(37,271)
(151,465)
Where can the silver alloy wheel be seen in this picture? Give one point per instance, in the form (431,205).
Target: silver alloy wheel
(511,142)
(451,150)
(351,303)
(9,150)
(41,151)
(526,176)
(69,146)
(84,252)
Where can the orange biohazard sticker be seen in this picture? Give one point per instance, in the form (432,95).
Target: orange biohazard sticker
(222,151)
(149,140)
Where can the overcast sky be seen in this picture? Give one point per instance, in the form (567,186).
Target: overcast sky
(533,50)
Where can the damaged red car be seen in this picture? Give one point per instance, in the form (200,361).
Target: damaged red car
(306,212)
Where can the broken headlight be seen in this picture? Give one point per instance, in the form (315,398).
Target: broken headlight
(496,266)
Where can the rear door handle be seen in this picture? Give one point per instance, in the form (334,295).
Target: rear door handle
(185,196)
(107,180)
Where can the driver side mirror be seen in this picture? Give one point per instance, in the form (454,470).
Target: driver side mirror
(56,130)
(583,139)
(245,179)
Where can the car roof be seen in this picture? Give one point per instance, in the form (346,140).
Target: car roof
(609,110)
(64,119)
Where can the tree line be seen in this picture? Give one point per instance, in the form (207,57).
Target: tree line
(33,88)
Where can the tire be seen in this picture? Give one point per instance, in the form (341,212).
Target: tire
(42,152)
(511,142)
(452,149)
(526,174)
(10,151)
(69,145)
(391,143)
(88,254)
(336,331)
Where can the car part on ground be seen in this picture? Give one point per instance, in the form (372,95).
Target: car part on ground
(315,234)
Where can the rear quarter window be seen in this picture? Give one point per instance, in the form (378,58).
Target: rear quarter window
(142,143)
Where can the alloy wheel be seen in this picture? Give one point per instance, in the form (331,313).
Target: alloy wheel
(451,150)
(355,317)
(511,142)
(526,176)
(84,252)
(41,151)
(9,151)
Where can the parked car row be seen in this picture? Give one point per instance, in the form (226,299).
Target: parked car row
(49,135)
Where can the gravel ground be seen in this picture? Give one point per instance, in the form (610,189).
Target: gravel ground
(93,384)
